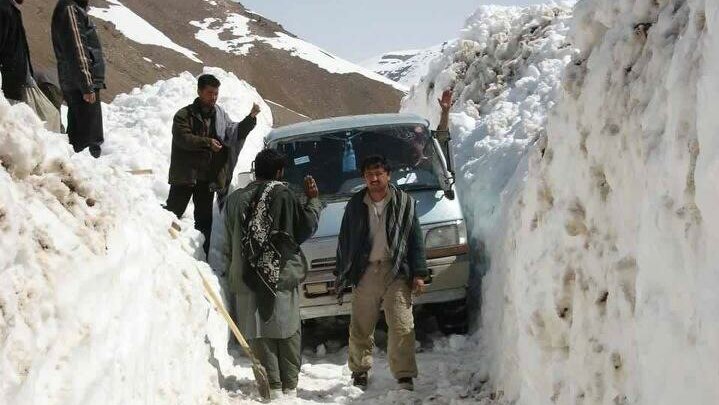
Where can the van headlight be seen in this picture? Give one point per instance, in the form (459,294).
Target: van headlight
(446,236)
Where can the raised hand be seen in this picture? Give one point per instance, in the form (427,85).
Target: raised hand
(255,110)
(446,101)
(311,190)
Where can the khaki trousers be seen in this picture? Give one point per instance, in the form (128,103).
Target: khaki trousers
(379,287)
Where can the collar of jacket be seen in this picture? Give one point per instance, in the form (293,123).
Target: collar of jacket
(197,110)
(367,199)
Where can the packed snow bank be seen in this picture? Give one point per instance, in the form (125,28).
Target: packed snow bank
(602,281)
(100,302)
(613,297)
(505,70)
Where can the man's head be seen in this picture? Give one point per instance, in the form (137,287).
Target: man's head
(270,165)
(208,90)
(376,173)
(417,145)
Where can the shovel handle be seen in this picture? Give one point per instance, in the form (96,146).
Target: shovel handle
(221,309)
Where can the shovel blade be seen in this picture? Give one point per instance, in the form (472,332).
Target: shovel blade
(263,382)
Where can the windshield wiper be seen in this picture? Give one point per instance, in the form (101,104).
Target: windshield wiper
(335,197)
(418,187)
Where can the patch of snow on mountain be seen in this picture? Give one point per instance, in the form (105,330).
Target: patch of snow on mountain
(237,25)
(405,67)
(136,28)
(235,36)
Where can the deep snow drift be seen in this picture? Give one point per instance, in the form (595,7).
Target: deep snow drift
(602,278)
(100,302)
(505,70)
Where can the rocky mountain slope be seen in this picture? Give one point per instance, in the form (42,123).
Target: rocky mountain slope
(146,41)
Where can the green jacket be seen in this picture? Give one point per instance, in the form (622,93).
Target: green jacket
(192,158)
(290,216)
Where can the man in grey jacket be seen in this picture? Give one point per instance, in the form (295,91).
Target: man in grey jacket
(265,224)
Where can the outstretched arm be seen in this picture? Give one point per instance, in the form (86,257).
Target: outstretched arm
(238,131)
(445,103)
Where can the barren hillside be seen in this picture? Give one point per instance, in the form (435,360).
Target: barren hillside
(149,40)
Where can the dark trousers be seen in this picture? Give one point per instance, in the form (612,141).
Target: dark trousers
(84,121)
(202,197)
(282,359)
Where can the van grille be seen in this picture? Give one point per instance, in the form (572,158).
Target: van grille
(328,263)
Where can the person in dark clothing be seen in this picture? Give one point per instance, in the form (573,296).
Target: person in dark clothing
(15,65)
(81,70)
(205,147)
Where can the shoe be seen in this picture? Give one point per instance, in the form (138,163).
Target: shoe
(406,383)
(290,393)
(360,380)
(95,151)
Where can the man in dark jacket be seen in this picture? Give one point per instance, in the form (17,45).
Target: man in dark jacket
(380,253)
(15,64)
(81,69)
(205,147)
(267,219)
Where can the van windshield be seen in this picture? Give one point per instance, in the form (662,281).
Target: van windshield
(333,159)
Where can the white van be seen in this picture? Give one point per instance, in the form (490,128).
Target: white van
(331,150)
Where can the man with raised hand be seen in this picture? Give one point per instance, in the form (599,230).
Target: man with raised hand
(381,255)
(205,146)
(81,69)
(15,64)
(265,224)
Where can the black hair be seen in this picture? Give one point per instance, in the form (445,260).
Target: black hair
(207,81)
(374,162)
(268,162)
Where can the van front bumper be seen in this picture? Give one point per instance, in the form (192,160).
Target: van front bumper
(447,282)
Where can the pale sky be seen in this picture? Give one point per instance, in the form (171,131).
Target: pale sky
(360,29)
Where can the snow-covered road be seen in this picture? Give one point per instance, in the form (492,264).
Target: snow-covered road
(448,374)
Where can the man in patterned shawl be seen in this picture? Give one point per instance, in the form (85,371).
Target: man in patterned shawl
(265,225)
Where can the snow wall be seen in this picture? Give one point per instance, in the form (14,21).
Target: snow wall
(100,301)
(597,219)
